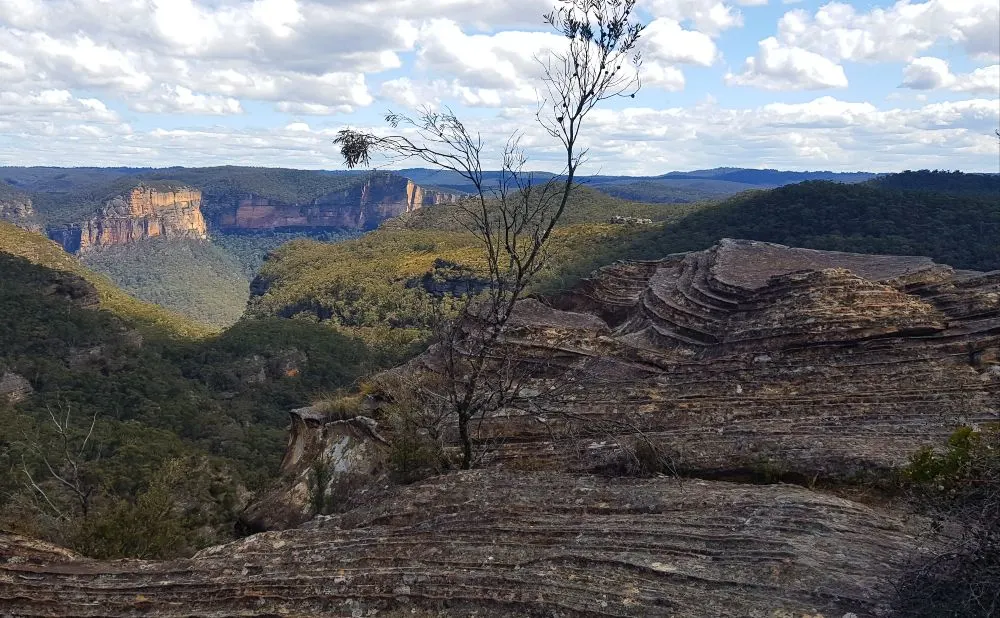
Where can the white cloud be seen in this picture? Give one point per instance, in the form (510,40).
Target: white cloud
(776,67)
(822,133)
(312,109)
(929,73)
(54,105)
(661,76)
(67,65)
(181,100)
(665,41)
(839,32)
(709,16)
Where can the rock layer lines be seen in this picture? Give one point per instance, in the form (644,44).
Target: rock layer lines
(510,544)
(754,355)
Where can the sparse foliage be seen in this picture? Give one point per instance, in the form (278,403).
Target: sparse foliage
(513,217)
(960,487)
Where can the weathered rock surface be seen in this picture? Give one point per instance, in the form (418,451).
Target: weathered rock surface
(493,543)
(328,466)
(13,387)
(755,356)
(141,213)
(363,207)
(17,208)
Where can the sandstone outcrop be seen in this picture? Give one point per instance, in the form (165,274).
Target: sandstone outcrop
(361,207)
(750,357)
(13,387)
(141,213)
(329,465)
(17,208)
(526,544)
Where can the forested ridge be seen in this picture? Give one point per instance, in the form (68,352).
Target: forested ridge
(371,281)
(181,424)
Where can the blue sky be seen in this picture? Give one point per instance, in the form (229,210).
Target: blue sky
(870,85)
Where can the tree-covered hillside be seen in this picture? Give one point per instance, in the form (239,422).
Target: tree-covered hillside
(391,278)
(955,229)
(182,427)
(937,181)
(395,277)
(194,278)
(41,251)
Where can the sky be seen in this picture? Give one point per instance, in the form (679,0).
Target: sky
(800,85)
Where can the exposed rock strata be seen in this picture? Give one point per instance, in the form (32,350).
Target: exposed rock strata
(328,465)
(753,356)
(362,207)
(141,213)
(491,543)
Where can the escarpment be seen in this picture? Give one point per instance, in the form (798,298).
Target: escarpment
(138,214)
(751,357)
(362,207)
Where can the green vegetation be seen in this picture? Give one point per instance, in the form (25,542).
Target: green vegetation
(194,278)
(961,486)
(959,230)
(956,183)
(381,280)
(251,249)
(162,433)
(671,191)
(39,250)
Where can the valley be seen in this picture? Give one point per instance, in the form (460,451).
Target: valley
(234,355)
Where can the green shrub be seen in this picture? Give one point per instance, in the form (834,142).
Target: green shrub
(961,487)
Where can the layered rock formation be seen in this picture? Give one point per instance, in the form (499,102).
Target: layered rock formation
(529,544)
(141,213)
(752,356)
(362,207)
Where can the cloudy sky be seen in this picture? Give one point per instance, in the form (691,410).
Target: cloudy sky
(860,85)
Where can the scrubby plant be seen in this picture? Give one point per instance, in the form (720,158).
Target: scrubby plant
(960,487)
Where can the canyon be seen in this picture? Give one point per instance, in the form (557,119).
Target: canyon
(169,210)
(745,358)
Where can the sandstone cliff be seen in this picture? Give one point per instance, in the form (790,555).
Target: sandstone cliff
(362,207)
(141,213)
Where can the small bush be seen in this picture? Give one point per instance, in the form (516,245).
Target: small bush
(960,485)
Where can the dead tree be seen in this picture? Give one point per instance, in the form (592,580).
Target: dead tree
(64,462)
(513,216)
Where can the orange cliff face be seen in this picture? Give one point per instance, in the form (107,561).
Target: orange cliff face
(144,212)
(362,207)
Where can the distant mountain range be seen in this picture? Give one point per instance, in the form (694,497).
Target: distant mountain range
(670,188)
